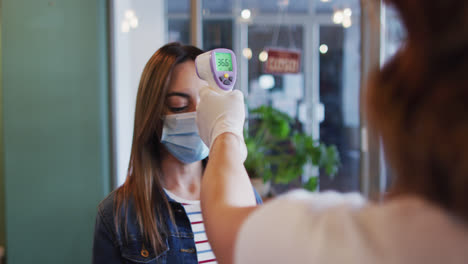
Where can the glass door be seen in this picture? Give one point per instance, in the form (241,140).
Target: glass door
(323,97)
(339,74)
(284,92)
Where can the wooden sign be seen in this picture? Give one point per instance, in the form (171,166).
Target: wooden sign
(282,61)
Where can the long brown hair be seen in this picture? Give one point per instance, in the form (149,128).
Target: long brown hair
(143,186)
(418,103)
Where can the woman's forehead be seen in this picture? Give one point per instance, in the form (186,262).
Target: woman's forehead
(184,79)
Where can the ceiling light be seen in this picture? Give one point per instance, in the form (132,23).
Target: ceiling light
(266,81)
(263,56)
(347,12)
(129,14)
(323,48)
(125,27)
(245,14)
(247,53)
(347,22)
(338,17)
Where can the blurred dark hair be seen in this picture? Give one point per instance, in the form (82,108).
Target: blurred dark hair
(418,103)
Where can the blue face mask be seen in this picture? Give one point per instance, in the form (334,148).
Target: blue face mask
(181,139)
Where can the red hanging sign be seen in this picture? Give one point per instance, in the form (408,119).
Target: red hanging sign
(282,61)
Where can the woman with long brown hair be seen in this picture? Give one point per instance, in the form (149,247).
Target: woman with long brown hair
(155,216)
(418,105)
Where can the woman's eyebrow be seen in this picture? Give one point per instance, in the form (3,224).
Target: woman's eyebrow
(178,94)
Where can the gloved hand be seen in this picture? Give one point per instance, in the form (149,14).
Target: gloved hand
(220,113)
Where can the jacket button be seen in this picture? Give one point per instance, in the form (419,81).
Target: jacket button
(144,253)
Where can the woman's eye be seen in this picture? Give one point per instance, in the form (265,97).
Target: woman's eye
(177,109)
(177,104)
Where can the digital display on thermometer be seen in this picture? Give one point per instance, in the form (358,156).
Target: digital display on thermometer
(223,61)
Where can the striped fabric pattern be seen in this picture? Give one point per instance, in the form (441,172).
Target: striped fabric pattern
(193,211)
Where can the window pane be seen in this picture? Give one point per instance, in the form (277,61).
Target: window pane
(217,34)
(217,7)
(284,92)
(332,79)
(339,93)
(330,7)
(266,36)
(393,33)
(274,6)
(178,21)
(178,6)
(179,31)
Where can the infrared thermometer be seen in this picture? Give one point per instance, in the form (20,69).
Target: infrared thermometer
(218,67)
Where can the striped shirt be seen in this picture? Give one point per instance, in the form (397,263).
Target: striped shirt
(193,211)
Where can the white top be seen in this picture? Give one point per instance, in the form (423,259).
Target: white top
(193,211)
(302,227)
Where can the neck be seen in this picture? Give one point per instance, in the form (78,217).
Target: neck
(182,179)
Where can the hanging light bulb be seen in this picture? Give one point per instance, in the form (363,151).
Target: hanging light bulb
(130,21)
(247,52)
(245,14)
(129,14)
(323,48)
(347,23)
(263,56)
(347,12)
(266,81)
(125,27)
(338,17)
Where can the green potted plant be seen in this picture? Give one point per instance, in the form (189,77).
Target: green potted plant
(278,149)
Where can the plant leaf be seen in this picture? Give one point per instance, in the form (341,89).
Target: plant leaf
(312,184)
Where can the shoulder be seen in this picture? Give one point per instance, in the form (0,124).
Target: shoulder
(431,233)
(405,217)
(298,218)
(304,202)
(297,203)
(107,205)
(105,219)
(107,210)
(120,224)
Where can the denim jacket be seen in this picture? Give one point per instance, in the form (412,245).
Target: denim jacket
(112,247)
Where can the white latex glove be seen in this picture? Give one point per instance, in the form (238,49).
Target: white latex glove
(220,113)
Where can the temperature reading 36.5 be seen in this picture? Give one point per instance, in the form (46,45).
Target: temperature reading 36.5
(223,61)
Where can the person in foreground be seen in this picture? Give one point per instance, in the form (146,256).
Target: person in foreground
(418,104)
(154,217)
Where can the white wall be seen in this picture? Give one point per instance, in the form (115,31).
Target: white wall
(131,51)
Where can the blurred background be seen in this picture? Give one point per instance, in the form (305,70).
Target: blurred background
(69,74)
